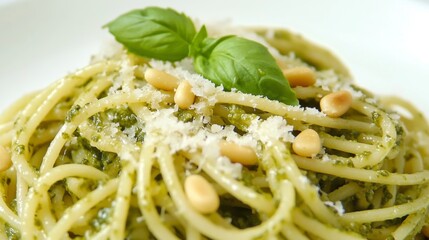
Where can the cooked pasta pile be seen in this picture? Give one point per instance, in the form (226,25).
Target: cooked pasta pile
(103,154)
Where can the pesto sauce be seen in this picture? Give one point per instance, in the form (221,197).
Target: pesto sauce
(82,152)
(247,177)
(376,118)
(96,120)
(123,116)
(383,173)
(73,112)
(19,149)
(402,198)
(237,116)
(12,233)
(65,136)
(241,217)
(185,115)
(102,218)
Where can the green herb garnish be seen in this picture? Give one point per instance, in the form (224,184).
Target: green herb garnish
(231,61)
(154,32)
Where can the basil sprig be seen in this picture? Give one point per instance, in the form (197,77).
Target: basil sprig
(231,61)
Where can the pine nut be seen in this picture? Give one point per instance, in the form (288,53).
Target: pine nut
(5,161)
(161,80)
(307,143)
(300,76)
(184,97)
(238,154)
(336,104)
(201,194)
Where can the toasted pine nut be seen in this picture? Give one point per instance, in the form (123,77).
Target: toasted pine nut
(336,104)
(161,80)
(5,161)
(238,154)
(307,143)
(201,194)
(184,97)
(425,231)
(300,76)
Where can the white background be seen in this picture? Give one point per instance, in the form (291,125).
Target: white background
(385,43)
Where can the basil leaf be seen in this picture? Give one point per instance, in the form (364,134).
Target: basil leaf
(154,32)
(236,62)
(195,47)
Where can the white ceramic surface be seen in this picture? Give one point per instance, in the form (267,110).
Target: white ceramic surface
(385,43)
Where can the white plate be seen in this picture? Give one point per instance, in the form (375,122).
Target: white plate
(385,43)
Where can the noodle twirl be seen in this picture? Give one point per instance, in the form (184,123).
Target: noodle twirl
(135,147)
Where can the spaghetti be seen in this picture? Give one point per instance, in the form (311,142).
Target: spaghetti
(103,154)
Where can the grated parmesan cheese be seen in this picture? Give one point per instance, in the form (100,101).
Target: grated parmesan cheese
(228,168)
(306,110)
(262,130)
(303,179)
(337,206)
